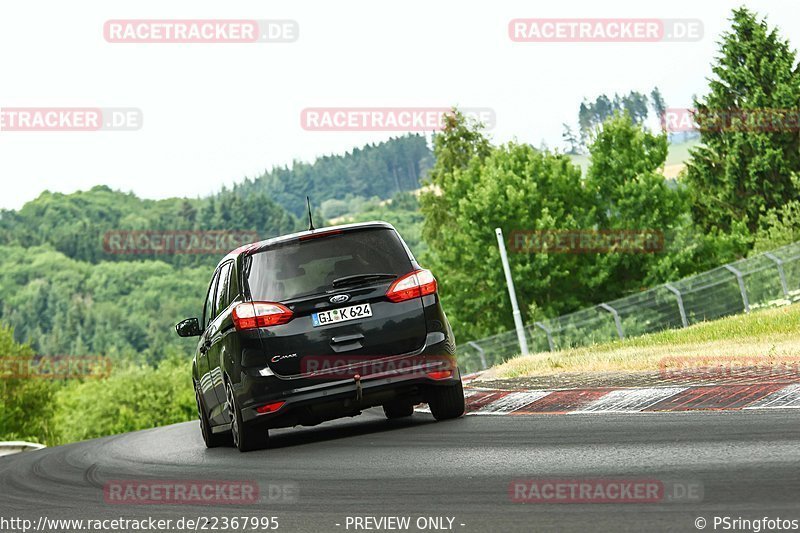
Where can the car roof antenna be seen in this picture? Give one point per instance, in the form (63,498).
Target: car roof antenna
(310,220)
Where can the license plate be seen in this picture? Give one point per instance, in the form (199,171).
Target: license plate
(342,314)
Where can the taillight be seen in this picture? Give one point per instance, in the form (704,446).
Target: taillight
(445,366)
(413,285)
(259,315)
(269,408)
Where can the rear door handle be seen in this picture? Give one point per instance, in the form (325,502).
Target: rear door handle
(341,339)
(345,343)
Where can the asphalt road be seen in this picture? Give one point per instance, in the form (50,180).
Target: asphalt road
(748,463)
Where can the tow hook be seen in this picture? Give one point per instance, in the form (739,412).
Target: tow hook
(359,389)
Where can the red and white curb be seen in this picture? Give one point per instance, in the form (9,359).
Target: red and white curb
(632,400)
(786,398)
(467,378)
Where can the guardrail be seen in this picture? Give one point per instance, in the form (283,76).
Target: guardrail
(767,280)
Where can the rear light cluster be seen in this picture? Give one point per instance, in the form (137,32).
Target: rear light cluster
(413,285)
(252,315)
(269,408)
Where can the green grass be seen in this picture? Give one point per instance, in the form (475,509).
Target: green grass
(769,333)
(678,155)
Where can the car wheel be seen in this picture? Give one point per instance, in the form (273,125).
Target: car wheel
(245,437)
(212,440)
(447,402)
(398,410)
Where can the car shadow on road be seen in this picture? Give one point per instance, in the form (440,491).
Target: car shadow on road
(355,427)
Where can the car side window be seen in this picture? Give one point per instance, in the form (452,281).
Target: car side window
(209,300)
(221,297)
(233,285)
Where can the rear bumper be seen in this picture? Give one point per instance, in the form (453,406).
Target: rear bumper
(313,399)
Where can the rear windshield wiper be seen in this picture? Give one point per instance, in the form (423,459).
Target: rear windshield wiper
(361,278)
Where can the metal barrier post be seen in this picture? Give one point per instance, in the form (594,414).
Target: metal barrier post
(617,321)
(670,287)
(548,333)
(779,263)
(481,353)
(742,289)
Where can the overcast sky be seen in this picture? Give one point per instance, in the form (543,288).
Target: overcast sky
(216,113)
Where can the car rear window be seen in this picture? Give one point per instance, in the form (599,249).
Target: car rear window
(309,267)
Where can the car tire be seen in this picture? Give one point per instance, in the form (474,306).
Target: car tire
(246,437)
(398,410)
(447,402)
(211,439)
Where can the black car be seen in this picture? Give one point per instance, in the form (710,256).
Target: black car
(320,325)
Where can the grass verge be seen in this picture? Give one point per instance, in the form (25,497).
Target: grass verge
(768,334)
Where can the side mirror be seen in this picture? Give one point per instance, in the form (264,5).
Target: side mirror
(188,328)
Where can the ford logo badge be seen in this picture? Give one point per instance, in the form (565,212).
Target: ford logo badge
(339,298)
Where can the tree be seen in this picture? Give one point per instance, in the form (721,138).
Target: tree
(779,227)
(25,402)
(635,105)
(455,147)
(75,224)
(593,114)
(573,142)
(585,123)
(631,194)
(743,169)
(514,187)
(659,106)
(374,170)
(133,398)
(603,108)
